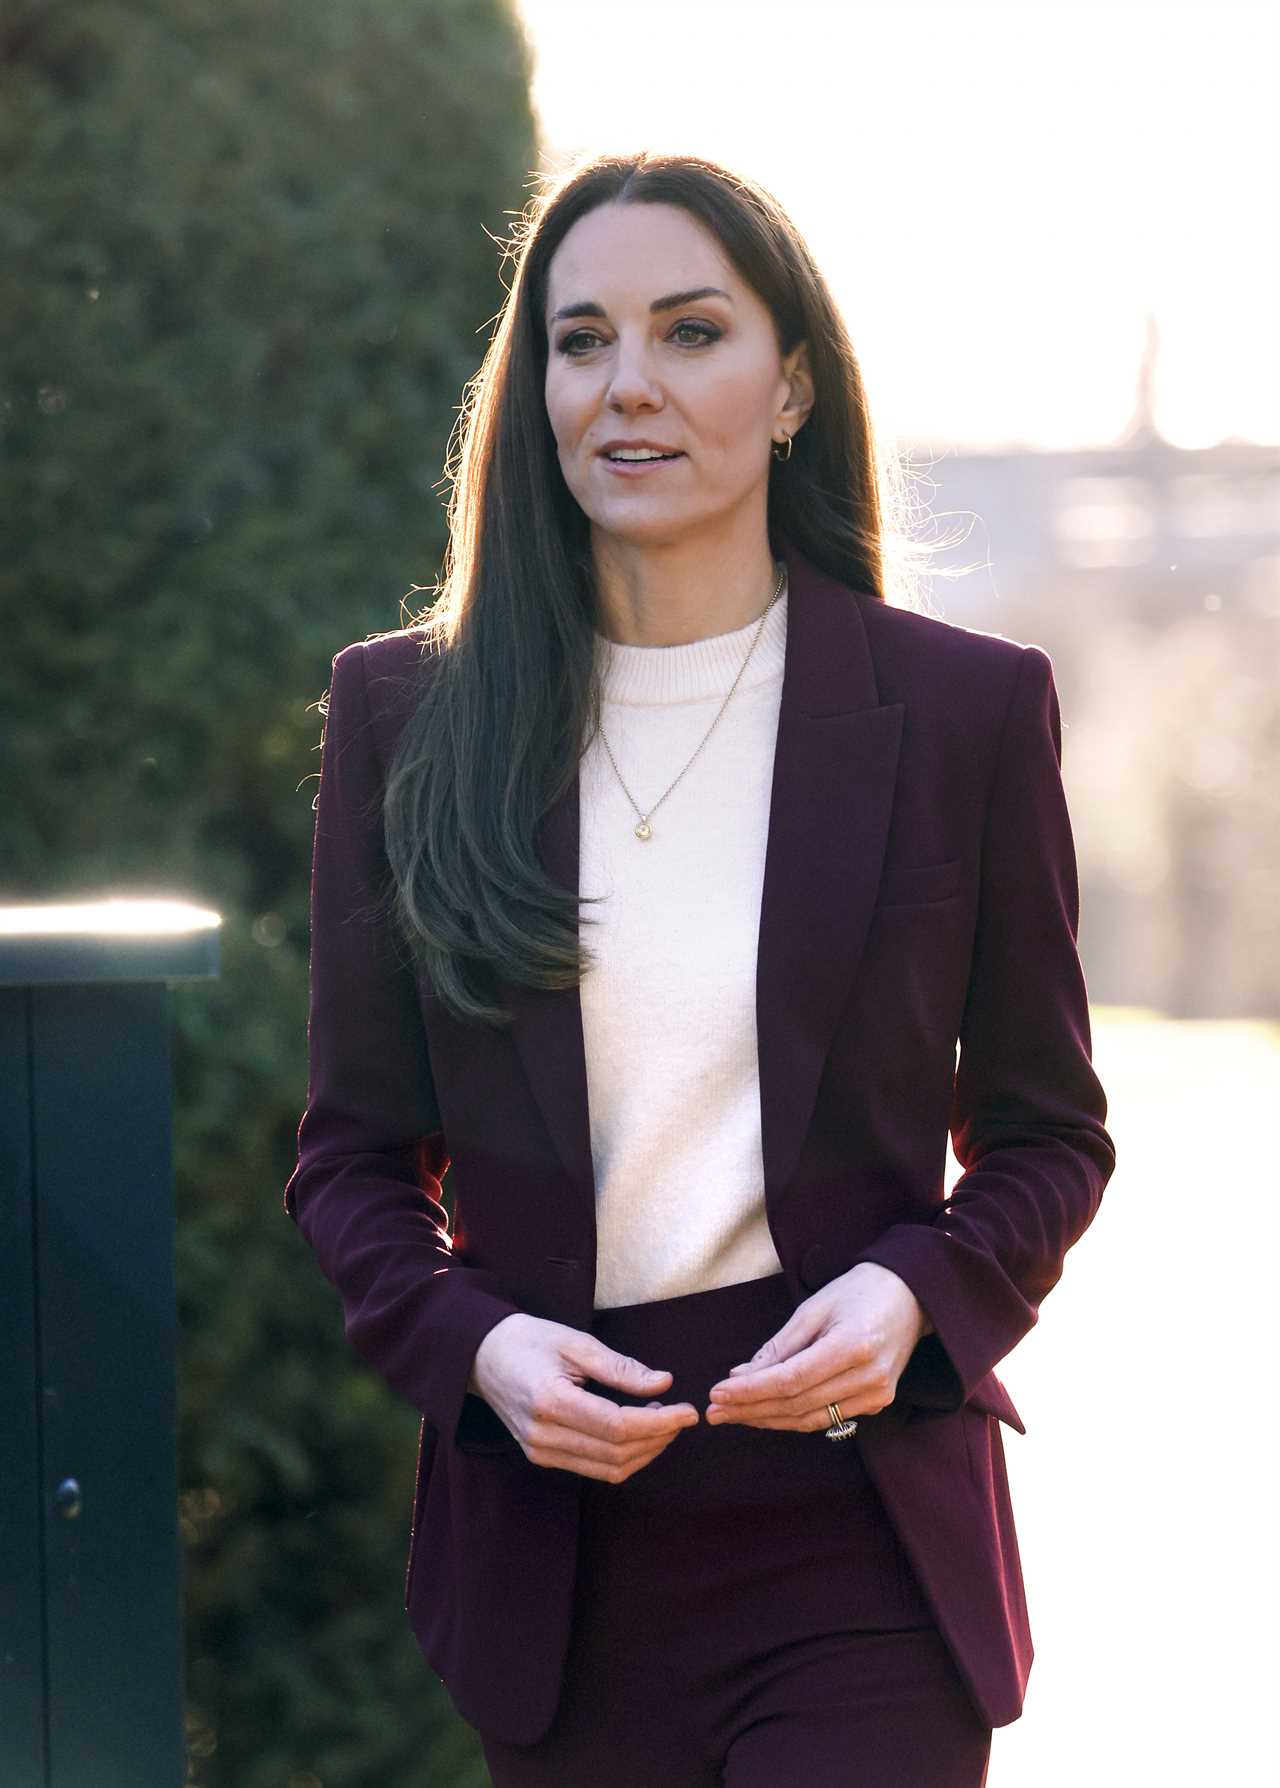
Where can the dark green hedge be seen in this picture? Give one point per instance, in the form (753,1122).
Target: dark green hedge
(245,271)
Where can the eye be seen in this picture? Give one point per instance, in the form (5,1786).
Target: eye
(707,331)
(581,341)
(566,344)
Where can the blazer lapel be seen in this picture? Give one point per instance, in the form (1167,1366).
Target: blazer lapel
(835,765)
(547,1028)
(834,772)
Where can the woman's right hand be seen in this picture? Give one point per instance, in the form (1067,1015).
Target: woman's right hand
(532,1371)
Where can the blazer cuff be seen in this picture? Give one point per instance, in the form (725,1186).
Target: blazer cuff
(480,1312)
(976,1316)
(428,1360)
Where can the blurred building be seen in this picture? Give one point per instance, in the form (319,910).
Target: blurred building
(1151,574)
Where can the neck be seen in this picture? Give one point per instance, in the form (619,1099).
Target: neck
(672,594)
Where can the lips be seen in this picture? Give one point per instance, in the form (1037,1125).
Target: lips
(651,447)
(636,468)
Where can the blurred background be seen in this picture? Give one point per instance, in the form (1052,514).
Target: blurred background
(248,260)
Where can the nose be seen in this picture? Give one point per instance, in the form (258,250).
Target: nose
(633,385)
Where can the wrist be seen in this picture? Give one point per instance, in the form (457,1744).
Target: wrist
(484,1353)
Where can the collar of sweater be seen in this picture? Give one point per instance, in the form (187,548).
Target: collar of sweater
(701,670)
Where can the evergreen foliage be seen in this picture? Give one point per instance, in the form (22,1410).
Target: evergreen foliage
(245,274)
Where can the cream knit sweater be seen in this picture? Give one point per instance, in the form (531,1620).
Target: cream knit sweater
(668,1012)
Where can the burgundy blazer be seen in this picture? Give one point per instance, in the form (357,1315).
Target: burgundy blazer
(920,891)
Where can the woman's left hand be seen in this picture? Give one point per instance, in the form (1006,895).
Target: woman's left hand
(847,1344)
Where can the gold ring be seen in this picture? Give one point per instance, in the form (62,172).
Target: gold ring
(842,1426)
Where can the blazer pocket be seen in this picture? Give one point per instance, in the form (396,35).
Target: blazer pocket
(911,887)
(482,1430)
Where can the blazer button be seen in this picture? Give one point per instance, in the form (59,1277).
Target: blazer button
(816,1266)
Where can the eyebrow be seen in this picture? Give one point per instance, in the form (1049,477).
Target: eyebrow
(587,307)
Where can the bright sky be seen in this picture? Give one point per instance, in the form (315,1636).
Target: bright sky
(998,192)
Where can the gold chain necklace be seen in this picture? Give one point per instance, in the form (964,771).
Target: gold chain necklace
(644,831)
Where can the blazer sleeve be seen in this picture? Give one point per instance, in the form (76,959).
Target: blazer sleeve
(1028,1111)
(366,1189)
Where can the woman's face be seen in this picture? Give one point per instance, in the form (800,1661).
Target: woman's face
(653,339)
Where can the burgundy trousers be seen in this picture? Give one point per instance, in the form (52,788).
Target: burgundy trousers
(744,1614)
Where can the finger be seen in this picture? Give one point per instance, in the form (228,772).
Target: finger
(810,1422)
(803,1415)
(802,1327)
(616,1369)
(551,1444)
(858,1393)
(584,1412)
(868,1392)
(832,1354)
(573,1451)
(607,1473)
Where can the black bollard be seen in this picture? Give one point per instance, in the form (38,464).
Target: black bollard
(91,1650)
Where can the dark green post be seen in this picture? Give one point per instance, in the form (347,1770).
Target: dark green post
(91,1673)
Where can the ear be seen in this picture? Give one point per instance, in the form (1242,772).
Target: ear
(800,393)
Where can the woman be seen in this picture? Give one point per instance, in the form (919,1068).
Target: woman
(658,872)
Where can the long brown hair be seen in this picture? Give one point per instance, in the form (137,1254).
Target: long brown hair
(496,735)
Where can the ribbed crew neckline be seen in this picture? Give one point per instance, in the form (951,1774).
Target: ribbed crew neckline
(649,676)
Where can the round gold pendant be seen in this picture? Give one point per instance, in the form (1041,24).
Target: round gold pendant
(644,829)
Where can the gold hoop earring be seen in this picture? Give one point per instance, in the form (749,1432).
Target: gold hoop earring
(783,457)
